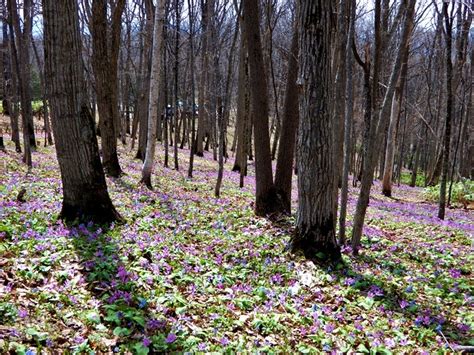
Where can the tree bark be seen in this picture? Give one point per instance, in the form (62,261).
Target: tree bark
(105,51)
(193,88)
(21,55)
(10,87)
(155,100)
(85,195)
(289,125)
(224,113)
(176,113)
(267,200)
(316,233)
(448,21)
(203,98)
(376,133)
(144,87)
(243,108)
(394,119)
(348,117)
(47,126)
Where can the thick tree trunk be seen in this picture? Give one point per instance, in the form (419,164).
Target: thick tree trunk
(85,195)
(286,152)
(316,219)
(155,100)
(267,200)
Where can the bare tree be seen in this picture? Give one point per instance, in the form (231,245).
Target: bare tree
(377,128)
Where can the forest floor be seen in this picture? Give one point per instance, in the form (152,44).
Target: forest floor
(188,271)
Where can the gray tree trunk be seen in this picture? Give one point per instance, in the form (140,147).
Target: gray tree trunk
(349,110)
(289,126)
(85,195)
(267,200)
(9,81)
(449,109)
(376,133)
(144,87)
(21,64)
(193,88)
(105,50)
(155,100)
(316,218)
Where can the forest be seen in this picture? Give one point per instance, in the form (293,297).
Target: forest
(245,176)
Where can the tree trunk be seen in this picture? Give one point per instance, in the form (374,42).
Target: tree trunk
(243,107)
(193,88)
(85,195)
(177,5)
(10,87)
(224,113)
(316,233)
(289,125)
(348,117)
(267,200)
(155,100)
(449,110)
(144,87)
(394,119)
(47,127)
(203,99)
(20,55)
(415,167)
(376,135)
(105,50)
(340,88)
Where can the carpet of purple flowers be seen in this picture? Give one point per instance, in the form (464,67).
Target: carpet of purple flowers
(190,272)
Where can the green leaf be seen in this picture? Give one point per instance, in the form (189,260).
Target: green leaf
(140,349)
(119,331)
(363,349)
(368,303)
(93,317)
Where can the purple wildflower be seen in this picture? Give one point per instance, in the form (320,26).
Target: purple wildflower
(464,327)
(171,338)
(455,273)
(349,281)
(403,304)
(146,342)
(22,313)
(329,328)
(390,343)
